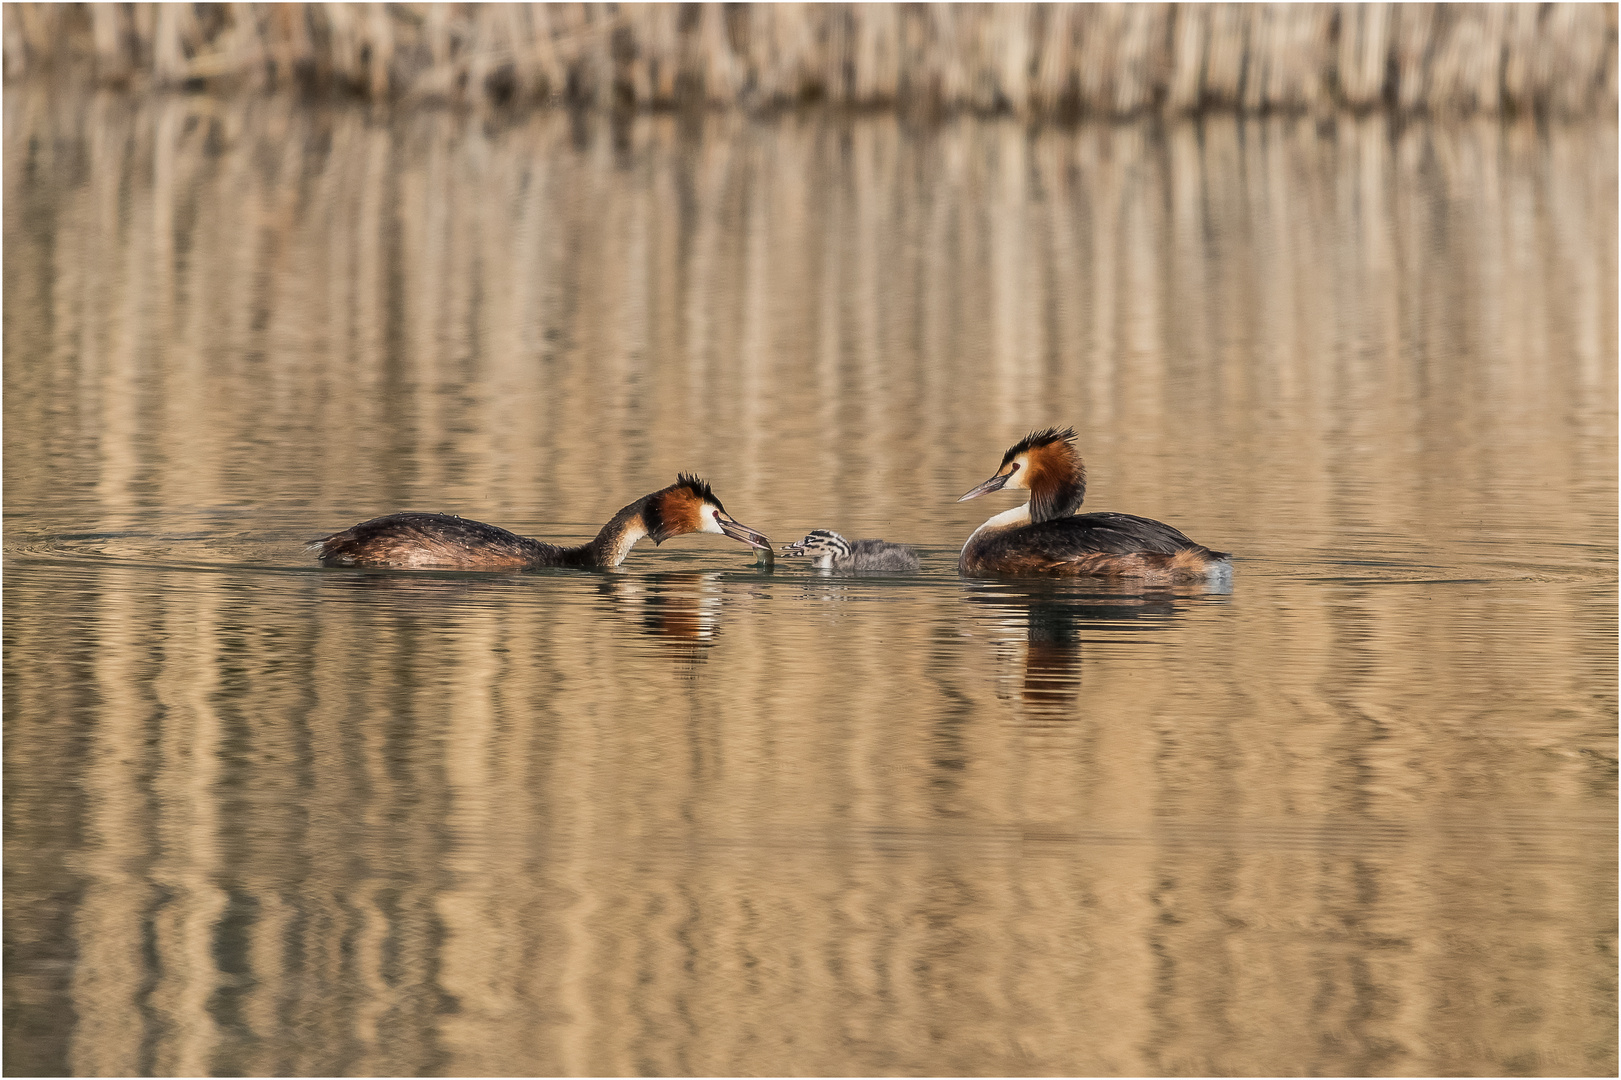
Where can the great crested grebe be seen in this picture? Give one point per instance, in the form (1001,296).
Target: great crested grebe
(1046,536)
(830,551)
(414,539)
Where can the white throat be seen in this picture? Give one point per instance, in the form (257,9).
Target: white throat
(1007,519)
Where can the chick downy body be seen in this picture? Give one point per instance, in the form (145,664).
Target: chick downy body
(830,551)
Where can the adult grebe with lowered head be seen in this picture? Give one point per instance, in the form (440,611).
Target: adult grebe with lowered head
(444,541)
(1046,536)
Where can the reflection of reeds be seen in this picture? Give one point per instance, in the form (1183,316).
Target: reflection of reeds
(1036,59)
(306,833)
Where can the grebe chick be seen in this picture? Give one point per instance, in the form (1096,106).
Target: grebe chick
(414,539)
(1046,536)
(830,551)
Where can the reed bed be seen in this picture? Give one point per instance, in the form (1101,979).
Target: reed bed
(1028,59)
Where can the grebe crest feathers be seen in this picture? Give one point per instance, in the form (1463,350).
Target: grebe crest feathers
(697,486)
(1038,439)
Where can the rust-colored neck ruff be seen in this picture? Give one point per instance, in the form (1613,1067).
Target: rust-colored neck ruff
(1056,478)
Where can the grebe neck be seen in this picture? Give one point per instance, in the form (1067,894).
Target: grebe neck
(617,537)
(1051,499)
(1008,519)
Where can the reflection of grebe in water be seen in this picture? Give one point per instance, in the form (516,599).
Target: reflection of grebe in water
(679,609)
(1046,536)
(1054,613)
(830,551)
(413,539)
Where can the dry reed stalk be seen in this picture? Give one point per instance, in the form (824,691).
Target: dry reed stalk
(778,36)
(15,49)
(1463,71)
(442,77)
(565,24)
(549,76)
(1483,75)
(877,66)
(818,62)
(1055,46)
(594,56)
(35,31)
(245,54)
(489,49)
(1263,57)
(1012,58)
(1225,56)
(1308,57)
(380,29)
(967,34)
(144,18)
(721,74)
(951,79)
(1416,26)
(107,33)
(1291,53)
(1099,25)
(1364,48)
(632,43)
(342,59)
(1526,71)
(1192,33)
(808,27)
(168,53)
(290,43)
(762,54)
(1583,28)
(832,71)
(1142,57)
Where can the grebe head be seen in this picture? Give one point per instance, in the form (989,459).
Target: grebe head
(1046,464)
(688,506)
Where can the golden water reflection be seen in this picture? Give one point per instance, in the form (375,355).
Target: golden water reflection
(1355,817)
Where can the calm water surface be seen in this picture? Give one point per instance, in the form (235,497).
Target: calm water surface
(1355,816)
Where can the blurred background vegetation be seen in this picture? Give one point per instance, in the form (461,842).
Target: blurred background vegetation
(1039,60)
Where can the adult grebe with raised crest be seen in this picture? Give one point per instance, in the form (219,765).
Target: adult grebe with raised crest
(1046,536)
(443,541)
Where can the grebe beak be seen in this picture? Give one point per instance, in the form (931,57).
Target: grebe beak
(739,531)
(995,483)
(795,548)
